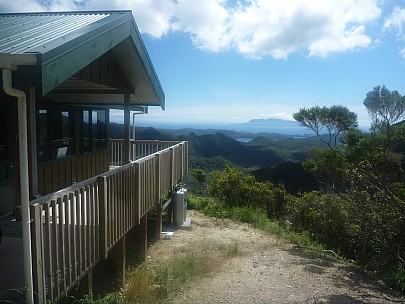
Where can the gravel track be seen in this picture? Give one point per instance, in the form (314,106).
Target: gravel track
(263,270)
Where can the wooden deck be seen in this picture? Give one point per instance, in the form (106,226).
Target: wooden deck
(74,228)
(11,263)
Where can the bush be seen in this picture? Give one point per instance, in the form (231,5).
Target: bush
(237,189)
(323,215)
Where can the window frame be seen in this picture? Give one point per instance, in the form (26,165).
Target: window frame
(52,142)
(93,135)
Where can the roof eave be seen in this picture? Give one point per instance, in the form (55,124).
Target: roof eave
(12,61)
(68,59)
(147,86)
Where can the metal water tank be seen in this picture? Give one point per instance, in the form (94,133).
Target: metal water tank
(185,204)
(179,206)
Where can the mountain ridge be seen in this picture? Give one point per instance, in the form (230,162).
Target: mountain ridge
(273,122)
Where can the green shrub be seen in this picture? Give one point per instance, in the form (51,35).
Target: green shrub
(109,299)
(323,215)
(398,277)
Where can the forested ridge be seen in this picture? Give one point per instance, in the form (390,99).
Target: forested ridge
(343,188)
(356,207)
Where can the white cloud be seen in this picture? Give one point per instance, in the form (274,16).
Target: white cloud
(402,53)
(16,5)
(153,17)
(396,22)
(277,116)
(204,21)
(280,28)
(254,28)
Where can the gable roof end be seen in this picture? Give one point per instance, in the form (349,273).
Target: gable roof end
(66,42)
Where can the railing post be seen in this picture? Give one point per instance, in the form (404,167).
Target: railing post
(186,156)
(158,203)
(137,194)
(37,254)
(172,168)
(103,201)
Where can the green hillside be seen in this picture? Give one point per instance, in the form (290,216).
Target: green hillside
(213,149)
(218,144)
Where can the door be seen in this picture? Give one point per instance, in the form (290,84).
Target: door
(6,162)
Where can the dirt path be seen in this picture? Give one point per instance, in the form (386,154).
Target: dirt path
(249,266)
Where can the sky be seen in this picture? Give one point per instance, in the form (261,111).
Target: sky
(235,60)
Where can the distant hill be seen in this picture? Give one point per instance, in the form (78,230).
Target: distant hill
(117,131)
(271,122)
(218,144)
(209,150)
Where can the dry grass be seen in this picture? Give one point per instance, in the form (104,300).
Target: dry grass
(153,283)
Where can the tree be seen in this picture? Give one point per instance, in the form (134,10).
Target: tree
(327,123)
(385,108)
(364,171)
(200,176)
(232,186)
(237,188)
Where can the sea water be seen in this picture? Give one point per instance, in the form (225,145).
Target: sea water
(288,130)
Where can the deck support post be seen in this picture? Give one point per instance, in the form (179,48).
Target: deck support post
(142,238)
(159,225)
(170,210)
(90,280)
(123,254)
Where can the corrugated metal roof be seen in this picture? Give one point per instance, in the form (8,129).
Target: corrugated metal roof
(39,33)
(66,42)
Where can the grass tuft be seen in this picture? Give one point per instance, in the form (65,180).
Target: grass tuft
(140,287)
(398,277)
(151,285)
(231,250)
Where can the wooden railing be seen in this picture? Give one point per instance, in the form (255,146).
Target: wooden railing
(138,149)
(76,227)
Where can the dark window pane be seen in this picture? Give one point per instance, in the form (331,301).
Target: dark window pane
(3,136)
(44,143)
(99,129)
(55,133)
(86,131)
(63,139)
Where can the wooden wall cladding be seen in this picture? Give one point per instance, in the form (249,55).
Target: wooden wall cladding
(54,176)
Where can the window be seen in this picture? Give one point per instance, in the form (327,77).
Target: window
(3,136)
(55,129)
(63,134)
(86,144)
(94,130)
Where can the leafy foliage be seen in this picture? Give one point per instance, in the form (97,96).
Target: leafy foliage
(333,121)
(236,189)
(290,174)
(385,108)
(359,210)
(366,177)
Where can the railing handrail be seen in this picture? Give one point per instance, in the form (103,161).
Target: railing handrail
(147,141)
(81,184)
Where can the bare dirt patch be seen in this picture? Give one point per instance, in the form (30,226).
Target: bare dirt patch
(248,266)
